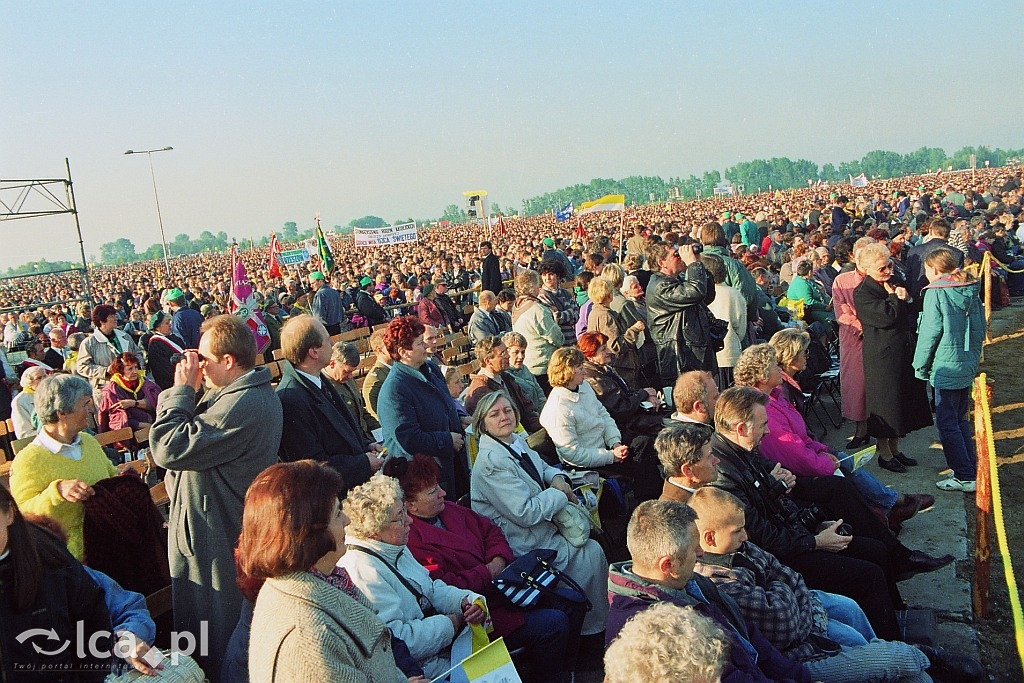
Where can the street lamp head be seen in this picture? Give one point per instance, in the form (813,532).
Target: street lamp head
(166,149)
(130,151)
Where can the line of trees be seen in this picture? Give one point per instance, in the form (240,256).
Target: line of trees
(776,173)
(756,175)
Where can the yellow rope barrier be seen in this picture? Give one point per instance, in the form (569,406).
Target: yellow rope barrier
(997,514)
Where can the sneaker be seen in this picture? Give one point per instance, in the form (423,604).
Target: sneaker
(954,484)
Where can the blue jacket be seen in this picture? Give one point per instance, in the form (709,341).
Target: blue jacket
(185,324)
(127,608)
(950,332)
(418,415)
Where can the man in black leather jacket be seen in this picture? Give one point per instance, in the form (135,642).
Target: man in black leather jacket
(678,313)
(856,565)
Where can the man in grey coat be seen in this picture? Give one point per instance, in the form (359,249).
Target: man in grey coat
(212,451)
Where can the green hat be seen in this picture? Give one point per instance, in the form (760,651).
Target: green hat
(726,215)
(365,281)
(175,294)
(316,275)
(156,319)
(740,216)
(833,195)
(549,242)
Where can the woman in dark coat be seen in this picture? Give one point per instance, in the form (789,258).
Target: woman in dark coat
(620,338)
(417,412)
(897,402)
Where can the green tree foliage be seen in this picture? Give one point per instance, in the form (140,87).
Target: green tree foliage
(368,222)
(454,213)
(119,251)
(41,266)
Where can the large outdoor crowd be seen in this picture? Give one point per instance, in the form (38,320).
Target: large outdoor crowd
(634,429)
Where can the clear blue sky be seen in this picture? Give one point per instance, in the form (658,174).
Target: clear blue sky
(279,111)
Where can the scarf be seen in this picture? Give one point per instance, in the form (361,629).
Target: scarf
(340,579)
(119,380)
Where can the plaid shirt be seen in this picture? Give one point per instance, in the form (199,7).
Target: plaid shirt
(774,598)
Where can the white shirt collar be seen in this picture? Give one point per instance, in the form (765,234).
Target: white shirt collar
(679,417)
(315,379)
(71,450)
(678,485)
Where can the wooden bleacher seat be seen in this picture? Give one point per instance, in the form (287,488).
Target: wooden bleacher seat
(275,371)
(108,438)
(466,369)
(140,466)
(448,354)
(159,495)
(278,354)
(159,603)
(378,327)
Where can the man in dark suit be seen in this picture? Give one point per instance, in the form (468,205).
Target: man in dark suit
(317,424)
(493,356)
(57,353)
(367,305)
(490,272)
(938,233)
(484,323)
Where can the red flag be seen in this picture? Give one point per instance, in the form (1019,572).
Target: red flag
(501,230)
(273,267)
(580,232)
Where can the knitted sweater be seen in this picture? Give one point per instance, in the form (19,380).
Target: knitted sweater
(36,472)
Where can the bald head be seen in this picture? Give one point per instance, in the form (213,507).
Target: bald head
(302,335)
(488,300)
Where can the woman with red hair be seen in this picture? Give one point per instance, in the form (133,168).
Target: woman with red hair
(467,550)
(310,622)
(417,411)
(128,399)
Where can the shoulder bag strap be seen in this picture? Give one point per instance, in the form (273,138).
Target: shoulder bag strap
(421,599)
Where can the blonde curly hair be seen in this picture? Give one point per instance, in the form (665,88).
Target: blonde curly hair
(754,365)
(368,506)
(666,642)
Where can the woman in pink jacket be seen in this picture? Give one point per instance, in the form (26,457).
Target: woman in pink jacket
(788,443)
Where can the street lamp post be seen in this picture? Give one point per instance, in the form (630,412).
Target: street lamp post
(152,174)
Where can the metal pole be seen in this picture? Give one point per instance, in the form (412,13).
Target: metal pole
(78,226)
(159,218)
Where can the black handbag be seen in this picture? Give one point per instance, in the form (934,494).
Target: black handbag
(533,580)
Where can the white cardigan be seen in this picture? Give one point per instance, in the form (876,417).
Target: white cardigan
(580,426)
(427,637)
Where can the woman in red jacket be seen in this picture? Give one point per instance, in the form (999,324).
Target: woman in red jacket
(467,550)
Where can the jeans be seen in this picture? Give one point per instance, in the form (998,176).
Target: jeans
(546,637)
(955,431)
(847,623)
(874,491)
(879,660)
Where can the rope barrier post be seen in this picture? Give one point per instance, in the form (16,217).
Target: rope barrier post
(983,506)
(986,272)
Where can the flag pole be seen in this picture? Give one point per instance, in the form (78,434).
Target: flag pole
(622,244)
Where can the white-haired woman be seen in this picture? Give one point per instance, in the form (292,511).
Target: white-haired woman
(851,349)
(23,407)
(54,474)
(425,613)
(883,307)
(521,494)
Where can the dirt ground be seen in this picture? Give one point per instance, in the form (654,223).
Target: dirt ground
(1003,362)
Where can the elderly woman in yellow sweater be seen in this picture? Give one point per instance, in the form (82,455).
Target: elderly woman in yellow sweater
(54,474)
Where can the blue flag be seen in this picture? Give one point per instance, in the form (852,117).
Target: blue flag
(565,214)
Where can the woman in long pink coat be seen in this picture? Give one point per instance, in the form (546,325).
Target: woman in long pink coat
(851,350)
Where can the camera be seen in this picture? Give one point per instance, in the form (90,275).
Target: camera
(814,519)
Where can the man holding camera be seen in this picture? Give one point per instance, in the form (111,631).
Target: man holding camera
(677,299)
(800,520)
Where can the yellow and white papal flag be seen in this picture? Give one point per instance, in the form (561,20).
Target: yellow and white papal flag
(609,202)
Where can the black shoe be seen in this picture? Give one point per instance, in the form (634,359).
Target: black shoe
(948,666)
(920,563)
(893,465)
(859,442)
(905,459)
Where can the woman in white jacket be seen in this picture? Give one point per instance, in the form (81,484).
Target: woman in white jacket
(584,433)
(729,306)
(425,613)
(521,494)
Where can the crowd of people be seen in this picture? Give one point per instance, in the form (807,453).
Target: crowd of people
(326,526)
